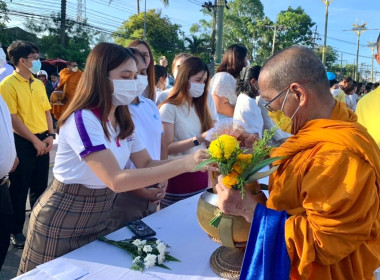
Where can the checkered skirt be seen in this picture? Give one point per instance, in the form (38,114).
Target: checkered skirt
(66,217)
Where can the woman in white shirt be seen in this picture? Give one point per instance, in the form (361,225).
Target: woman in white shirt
(160,76)
(223,84)
(143,47)
(96,140)
(246,109)
(186,119)
(137,204)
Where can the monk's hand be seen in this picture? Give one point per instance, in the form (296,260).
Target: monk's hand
(230,201)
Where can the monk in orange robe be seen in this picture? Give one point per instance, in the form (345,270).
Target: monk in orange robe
(327,187)
(69,78)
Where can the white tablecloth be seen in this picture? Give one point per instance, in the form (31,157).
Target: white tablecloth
(176,225)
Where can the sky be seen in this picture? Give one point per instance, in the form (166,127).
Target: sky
(342,14)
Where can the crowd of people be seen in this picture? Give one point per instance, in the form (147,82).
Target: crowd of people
(128,143)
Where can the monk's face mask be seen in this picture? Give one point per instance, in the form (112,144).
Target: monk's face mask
(283,121)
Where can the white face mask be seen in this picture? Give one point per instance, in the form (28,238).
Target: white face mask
(142,83)
(74,69)
(196,90)
(124,91)
(335,91)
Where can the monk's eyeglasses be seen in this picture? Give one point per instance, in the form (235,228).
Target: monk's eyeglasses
(267,105)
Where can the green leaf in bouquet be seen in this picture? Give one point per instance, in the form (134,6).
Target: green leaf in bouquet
(214,222)
(260,175)
(163,266)
(251,170)
(204,163)
(171,258)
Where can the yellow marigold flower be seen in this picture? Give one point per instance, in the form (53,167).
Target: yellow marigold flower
(223,146)
(215,149)
(230,179)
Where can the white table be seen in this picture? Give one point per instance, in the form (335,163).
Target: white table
(176,225)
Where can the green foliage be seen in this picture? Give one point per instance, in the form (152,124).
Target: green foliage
(298,28)
(162,35)
(331,56)
(245,23)
(78,38)
(3,14)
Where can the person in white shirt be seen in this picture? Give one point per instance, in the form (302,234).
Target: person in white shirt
(137,204)
(160,78)
(143,47)
(186,119)
(5,68)
(161,96)
(96,141)
(8,163)
(223,84)
(246,109)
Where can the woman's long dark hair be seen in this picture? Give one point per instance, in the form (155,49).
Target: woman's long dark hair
(149,70)
(244,82)
(180,92)
(233,60)
(94,90)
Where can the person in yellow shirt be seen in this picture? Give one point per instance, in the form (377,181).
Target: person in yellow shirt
(321,219)
(29,106)
(369,105)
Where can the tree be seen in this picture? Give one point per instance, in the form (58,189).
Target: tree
(297,30)
(78,38)
(239,26)
(331,56)
(3,14)
(162,35)
(198,46)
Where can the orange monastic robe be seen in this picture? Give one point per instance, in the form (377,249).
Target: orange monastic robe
(329,184)
(68,81)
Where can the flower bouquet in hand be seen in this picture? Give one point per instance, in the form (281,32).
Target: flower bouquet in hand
(146,253)
(239,166)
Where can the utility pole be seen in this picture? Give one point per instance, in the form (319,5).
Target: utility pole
(138,6)
(275,28)
(212,8)
(358,30)
(372,46)
(219,33)
(327,4)
(63,22)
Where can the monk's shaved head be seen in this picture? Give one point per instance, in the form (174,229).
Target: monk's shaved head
(295,64)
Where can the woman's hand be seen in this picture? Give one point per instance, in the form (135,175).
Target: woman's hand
(154,195)
(194,159)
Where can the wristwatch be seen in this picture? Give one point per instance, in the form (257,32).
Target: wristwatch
(51,134)
(196,141)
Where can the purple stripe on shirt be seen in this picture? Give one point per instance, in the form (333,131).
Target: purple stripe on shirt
(89,148)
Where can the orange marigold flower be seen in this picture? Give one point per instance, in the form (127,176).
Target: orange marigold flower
(238,168)
(230,179)
(245,158)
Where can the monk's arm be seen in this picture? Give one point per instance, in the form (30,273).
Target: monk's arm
(341,200)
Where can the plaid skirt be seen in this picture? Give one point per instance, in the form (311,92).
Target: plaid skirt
(66,217)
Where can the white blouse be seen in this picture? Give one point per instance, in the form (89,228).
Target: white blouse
(81,135)
(186,123)
(223,84)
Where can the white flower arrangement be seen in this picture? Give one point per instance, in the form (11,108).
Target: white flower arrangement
(145,253)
